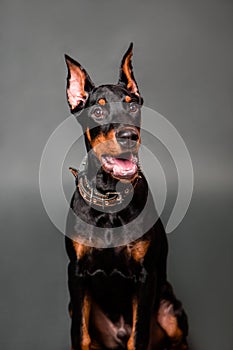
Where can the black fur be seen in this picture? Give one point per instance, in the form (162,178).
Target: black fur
(112,277)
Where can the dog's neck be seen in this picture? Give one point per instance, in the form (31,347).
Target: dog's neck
(99,188)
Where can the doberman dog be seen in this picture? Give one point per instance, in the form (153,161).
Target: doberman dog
(119,294)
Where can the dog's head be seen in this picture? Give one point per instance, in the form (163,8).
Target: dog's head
(110,116)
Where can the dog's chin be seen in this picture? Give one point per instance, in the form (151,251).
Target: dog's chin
(123,167)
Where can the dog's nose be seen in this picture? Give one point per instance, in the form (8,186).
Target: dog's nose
(127,137)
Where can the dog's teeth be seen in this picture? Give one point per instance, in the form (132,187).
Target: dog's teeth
(110,160)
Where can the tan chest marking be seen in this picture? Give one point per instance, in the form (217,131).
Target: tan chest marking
(81,249)
(138,250)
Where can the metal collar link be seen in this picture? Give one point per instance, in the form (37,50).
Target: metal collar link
(110,199)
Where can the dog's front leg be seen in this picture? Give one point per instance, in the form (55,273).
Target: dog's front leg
(83,341)
(131,341)
(80,311)
(172,319)
(142,305)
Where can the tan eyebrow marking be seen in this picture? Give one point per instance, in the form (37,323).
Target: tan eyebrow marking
(127,98)
(101,101)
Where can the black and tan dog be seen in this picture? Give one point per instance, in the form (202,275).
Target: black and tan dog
(120,297)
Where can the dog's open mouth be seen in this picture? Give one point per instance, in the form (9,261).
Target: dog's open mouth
(125,165)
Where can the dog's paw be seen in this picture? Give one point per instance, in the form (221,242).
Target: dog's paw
(172,319)
(168,320)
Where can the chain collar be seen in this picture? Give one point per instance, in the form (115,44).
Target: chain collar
(110,199)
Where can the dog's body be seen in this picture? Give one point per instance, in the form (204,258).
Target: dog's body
(120,297)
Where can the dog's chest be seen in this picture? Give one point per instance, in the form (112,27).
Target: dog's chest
(110,273)
(110,261)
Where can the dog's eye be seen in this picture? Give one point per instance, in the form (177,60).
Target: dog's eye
(133,107)
(98,112)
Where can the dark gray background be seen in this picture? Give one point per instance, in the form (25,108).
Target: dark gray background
(183,58)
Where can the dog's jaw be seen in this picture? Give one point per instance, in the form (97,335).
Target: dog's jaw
(105,180)
(124,166)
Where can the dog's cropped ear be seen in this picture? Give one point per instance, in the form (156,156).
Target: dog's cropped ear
(126,72)
(79,84)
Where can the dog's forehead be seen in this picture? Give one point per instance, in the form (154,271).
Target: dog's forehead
(110,93)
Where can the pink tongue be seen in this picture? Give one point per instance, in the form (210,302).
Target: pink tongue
(124,167)
(124,164)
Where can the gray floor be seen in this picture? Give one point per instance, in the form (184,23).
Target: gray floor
(33,273)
